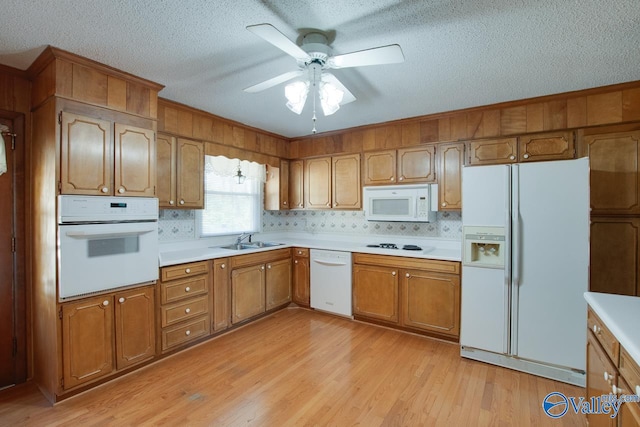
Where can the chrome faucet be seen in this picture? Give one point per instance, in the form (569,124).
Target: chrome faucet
(242,237)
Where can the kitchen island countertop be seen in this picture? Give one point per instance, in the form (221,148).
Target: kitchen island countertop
(621,314)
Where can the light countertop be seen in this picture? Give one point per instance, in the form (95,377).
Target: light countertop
(445,250)
(621,314)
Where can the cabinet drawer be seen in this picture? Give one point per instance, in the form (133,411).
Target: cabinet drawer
(604,336)
(452,267)
(178,312)
(259,258)
(189,331)
(184,270)
(301,252)
(630,371)
(180,289)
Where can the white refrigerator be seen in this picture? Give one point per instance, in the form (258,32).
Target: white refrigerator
(525,267)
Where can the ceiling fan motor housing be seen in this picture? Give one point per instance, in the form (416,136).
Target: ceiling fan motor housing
(316,45)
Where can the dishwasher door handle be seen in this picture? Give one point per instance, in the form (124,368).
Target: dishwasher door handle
(324,262)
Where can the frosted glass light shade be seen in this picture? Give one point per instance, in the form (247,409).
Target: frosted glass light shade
(296,94)
(330,98)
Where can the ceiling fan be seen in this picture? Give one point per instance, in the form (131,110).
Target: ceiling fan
(313,60)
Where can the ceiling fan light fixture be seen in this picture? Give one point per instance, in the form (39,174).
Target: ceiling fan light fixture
(296,94)
(330,98)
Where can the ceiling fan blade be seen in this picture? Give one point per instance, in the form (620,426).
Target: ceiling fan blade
(391,54)
(271,34)
(274,81)
(348,96)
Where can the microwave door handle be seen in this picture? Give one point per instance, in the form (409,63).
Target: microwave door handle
(85,235)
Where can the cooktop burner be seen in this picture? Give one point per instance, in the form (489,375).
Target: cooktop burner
(394,246)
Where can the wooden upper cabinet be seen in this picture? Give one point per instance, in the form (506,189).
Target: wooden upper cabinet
(86,164)
(416,165)
(135,161)
(87,340)
(166,170)
(450,161)
(379,167)
(135,326)
(296,184)
(272,189)
(284,184)
(493,151)
(190,174)
(614,173)
(317,183)
(546,146)
(346,187)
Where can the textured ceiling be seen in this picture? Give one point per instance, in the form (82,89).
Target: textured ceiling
(458,53)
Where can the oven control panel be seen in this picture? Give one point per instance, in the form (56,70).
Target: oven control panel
(74,209)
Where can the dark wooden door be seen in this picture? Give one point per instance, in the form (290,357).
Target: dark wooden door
(12,256)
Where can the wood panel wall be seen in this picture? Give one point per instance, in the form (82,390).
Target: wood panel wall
(59,73)
(592,107)
(222,137)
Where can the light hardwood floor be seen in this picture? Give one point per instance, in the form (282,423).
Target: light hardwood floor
(299,367)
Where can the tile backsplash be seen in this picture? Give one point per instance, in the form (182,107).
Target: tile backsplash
(180,225)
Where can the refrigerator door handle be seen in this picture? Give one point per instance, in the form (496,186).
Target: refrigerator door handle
(507,261)
(515,257)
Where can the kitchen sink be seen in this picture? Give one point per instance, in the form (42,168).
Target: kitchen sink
(252,245)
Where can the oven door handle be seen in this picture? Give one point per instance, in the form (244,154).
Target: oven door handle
(85,235)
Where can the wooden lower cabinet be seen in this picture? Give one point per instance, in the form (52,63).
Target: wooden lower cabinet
(431,301)
(411,293)
(599,365)
(278,283)
(184,304)
(247,292)
(221,318)
(301,277)
(90,348)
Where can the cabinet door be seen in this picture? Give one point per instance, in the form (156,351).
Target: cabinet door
(284,185)
(272,189)
(296,184)
(379,167)
(135,161)
(87,340)
(417,165)
(346,187)
(546,146)
(493,151)
(278,283)
(86,164)
(375,292)
(166,170)
(615,263)
(599,365)
(301,281)
(317,183)
(629,415)
(431,301)
(247,293)
(221,295)
(450,161)
(135,327)
(614,177)
(190,170)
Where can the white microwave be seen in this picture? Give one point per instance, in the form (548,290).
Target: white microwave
(406,203)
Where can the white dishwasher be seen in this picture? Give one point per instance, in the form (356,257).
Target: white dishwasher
(331,281)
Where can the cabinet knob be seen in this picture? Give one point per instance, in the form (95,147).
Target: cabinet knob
(512,157)
(187,289)
(182,202)
(329,204)
(444,204)
(597,330)
(223,266)
(187,310)
(121,300)
(269,266)
(616,390)
(121,190)
(393,273)
(638,390)
(171,202)
(335,204)
(295,262)
(393,178)
(608,377)
(104,189)
(284,203)
(299,252)
(187,332)
(105,302)
(407,275)
(187,270)
(401,178)
(526,155)
(262,267)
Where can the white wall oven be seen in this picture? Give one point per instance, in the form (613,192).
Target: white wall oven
(106,243)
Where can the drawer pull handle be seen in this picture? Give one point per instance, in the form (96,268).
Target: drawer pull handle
(187,310)
(187,289)
(597,330)
(188,270)
(121,300)
(617,390)
(187,333)
(608,377)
